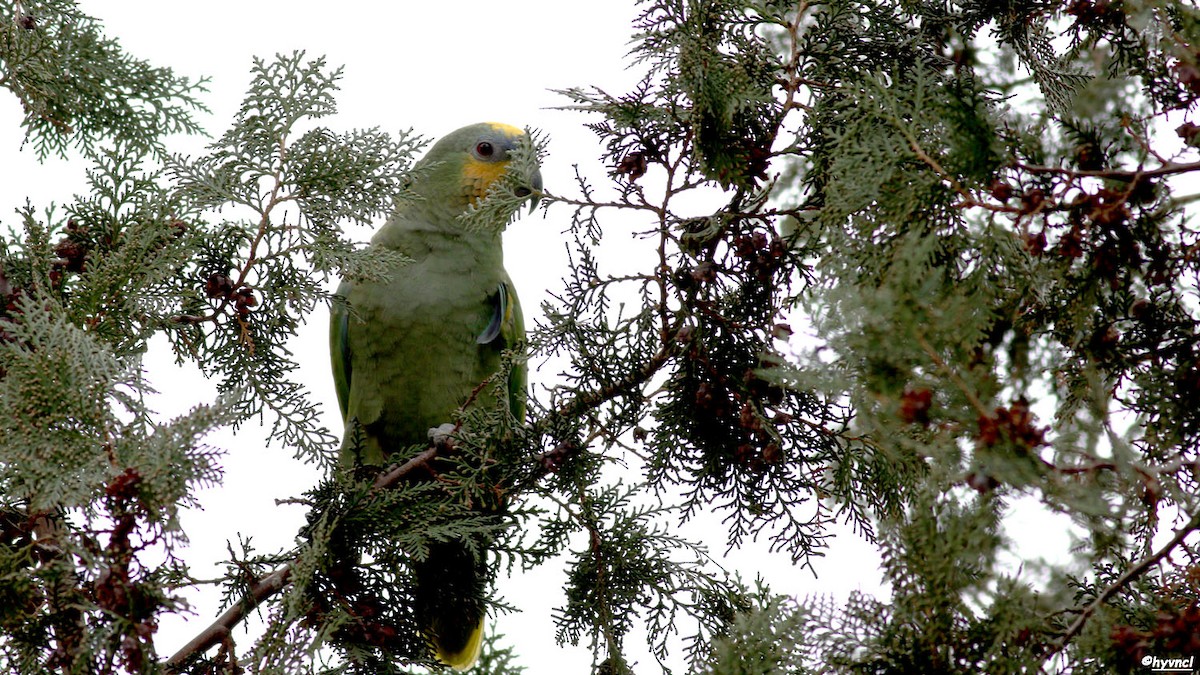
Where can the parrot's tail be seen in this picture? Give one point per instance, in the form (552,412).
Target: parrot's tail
(450,587)
(465,657)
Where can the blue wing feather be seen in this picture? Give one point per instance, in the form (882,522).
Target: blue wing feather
(500,309)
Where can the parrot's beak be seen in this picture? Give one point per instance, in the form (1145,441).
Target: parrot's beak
(535,180)
(533,191)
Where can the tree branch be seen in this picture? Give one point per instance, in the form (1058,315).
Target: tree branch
(220,629)
(276,581)
(1124,580)
(595,398)
(268,586)
(1168,169)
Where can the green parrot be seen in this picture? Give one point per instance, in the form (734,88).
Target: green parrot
(413,349)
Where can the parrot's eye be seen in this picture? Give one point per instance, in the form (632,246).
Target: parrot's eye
(484,149)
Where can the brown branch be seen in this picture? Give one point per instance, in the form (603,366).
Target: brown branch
(1168,169)
(1124,580)
(391,478)
(552,198)
(263,589)
(595,398)
(218,632)
(274,199)
(260,591)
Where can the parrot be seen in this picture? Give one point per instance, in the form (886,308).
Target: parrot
(407,352)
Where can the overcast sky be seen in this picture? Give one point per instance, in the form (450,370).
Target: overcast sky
(433,67)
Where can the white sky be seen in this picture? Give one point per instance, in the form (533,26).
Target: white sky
(433,67)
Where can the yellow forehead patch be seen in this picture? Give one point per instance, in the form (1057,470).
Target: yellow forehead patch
(506,129)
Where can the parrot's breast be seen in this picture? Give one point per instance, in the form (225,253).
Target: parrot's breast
(416,357)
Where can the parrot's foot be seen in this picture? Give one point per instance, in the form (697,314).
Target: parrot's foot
(441,435)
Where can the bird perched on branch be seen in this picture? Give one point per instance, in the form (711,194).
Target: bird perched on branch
(410,351)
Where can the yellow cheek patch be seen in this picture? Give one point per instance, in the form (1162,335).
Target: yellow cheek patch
(478,177)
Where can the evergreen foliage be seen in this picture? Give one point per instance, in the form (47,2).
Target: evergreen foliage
(78,88)
(950,269)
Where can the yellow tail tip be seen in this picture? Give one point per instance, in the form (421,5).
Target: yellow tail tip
(467,656)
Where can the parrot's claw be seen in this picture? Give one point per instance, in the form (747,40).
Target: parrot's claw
(441,435)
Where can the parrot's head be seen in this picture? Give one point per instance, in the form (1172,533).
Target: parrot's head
(463,165)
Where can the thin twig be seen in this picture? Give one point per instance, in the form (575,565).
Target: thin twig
(589,400)
(1168,169)
(1124,580)
(954,377)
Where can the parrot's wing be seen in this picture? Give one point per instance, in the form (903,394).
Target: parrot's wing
(518,378)
(506,330)
(339,350)
(502,309)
